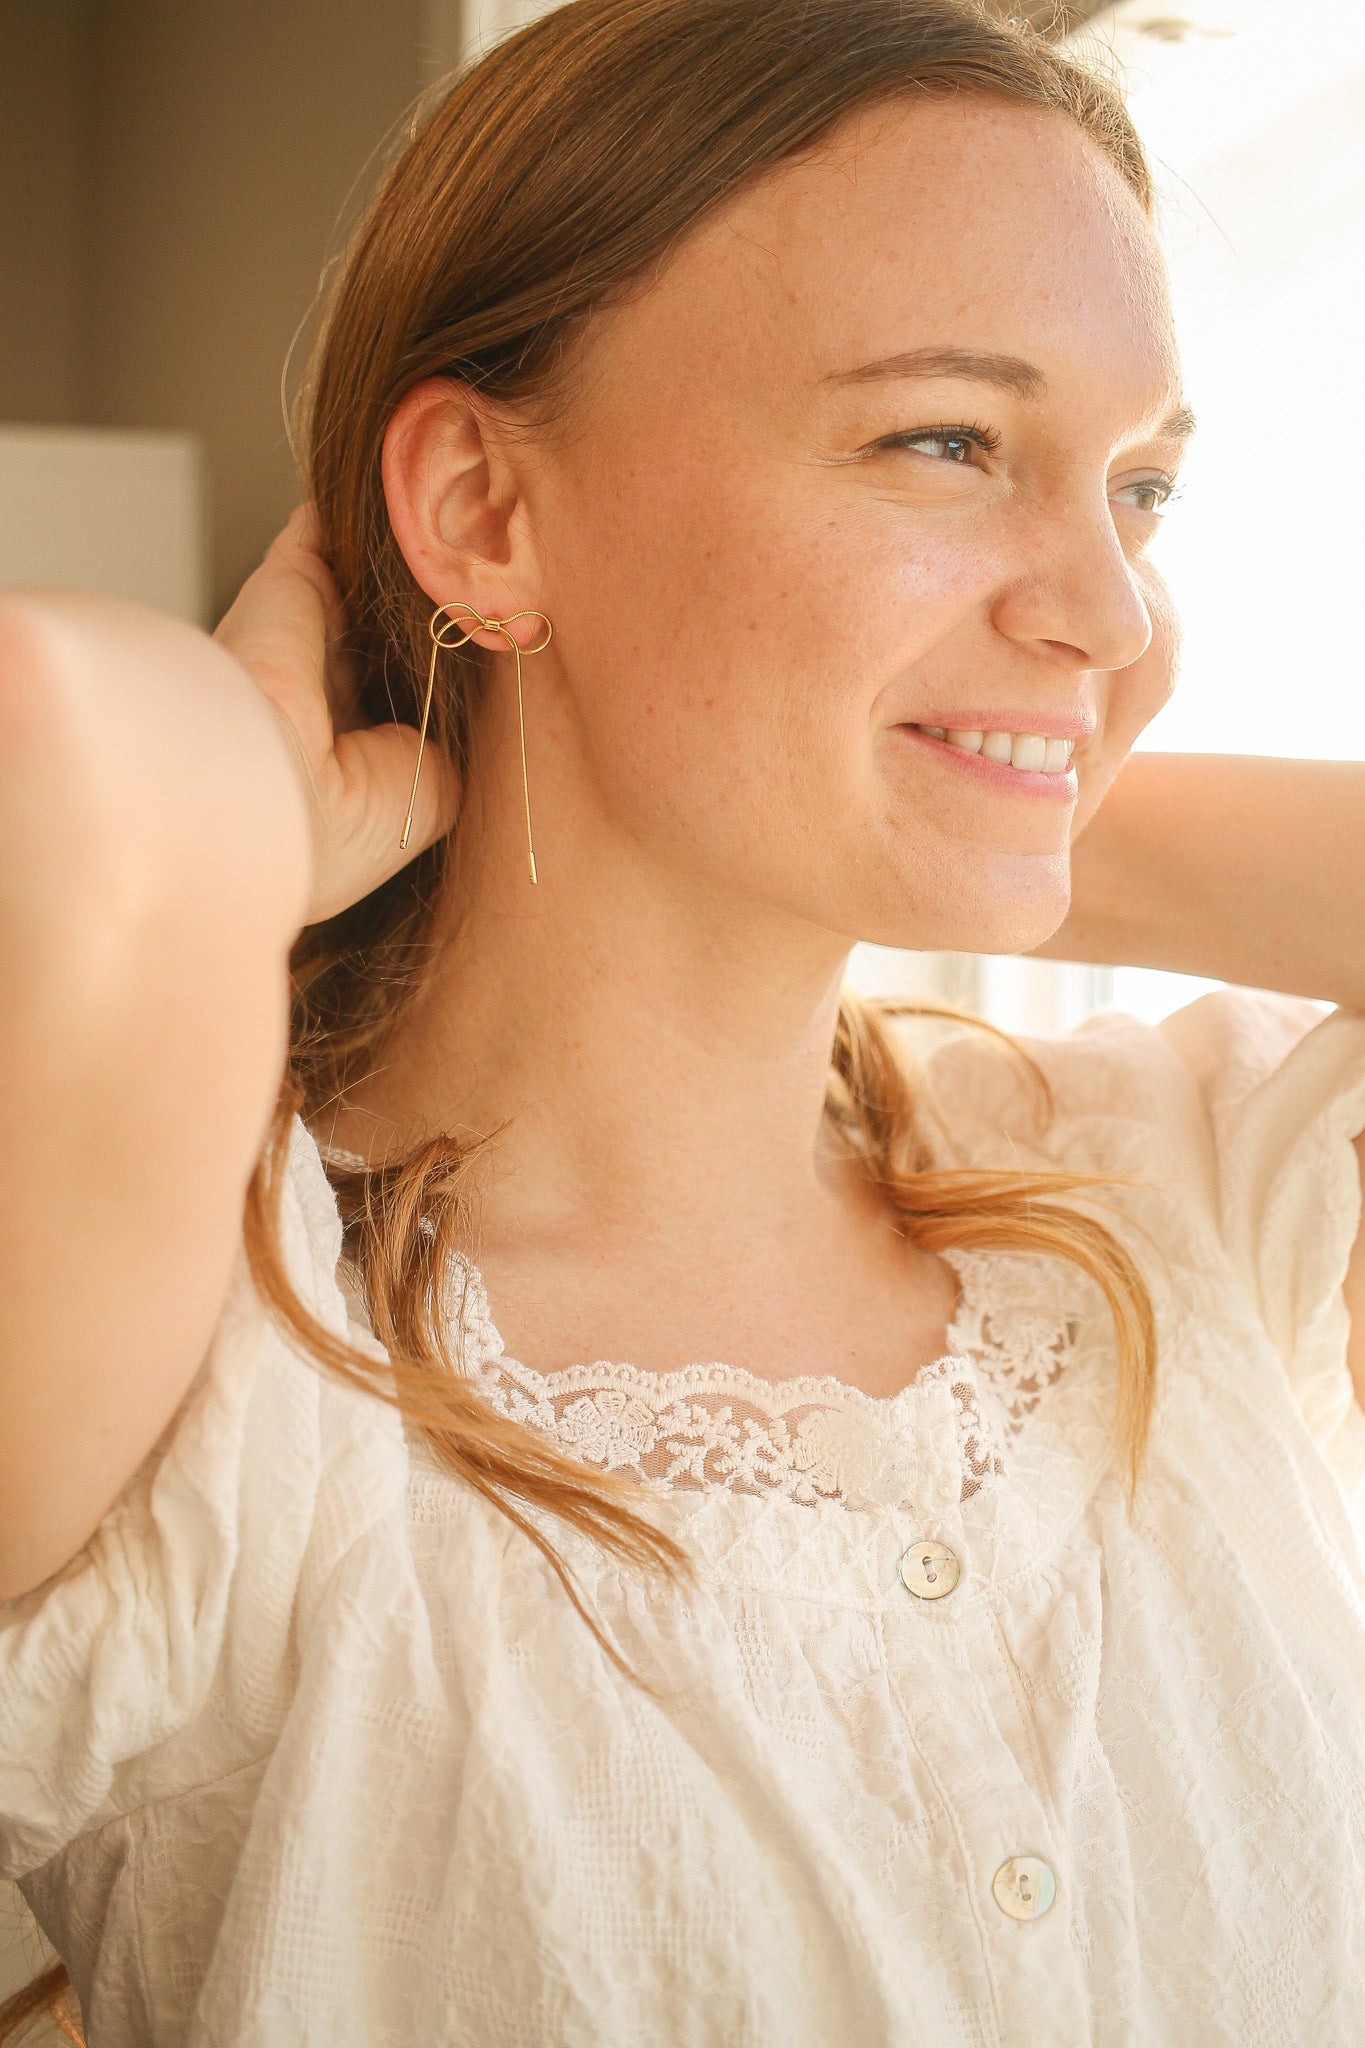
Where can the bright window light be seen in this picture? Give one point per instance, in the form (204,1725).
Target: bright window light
(1254,116)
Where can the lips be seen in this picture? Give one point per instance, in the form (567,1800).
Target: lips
(1002,776)
(1071,723)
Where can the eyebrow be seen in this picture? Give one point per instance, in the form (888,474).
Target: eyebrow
(1179,425)
(1011,373)
(1007,373)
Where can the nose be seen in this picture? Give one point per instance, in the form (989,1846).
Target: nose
(1071,592)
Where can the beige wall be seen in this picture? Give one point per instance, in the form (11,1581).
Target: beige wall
(171,176)
(44,213)
(230,133)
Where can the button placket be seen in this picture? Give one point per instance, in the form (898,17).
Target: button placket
(966,1717)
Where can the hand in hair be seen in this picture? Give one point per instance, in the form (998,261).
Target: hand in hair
(286,629)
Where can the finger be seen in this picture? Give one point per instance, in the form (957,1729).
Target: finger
(304,518)
(301,545)
(298,546)
(275,630)
(380,762)
(363,807)
(342,683)
(294,593)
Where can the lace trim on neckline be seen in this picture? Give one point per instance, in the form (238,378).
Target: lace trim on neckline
(938,1441)
(807,1440)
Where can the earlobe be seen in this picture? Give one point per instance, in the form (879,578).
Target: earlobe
(447,496)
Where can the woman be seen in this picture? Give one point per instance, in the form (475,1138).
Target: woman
(735,442)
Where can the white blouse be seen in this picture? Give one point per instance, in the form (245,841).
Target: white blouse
(309,1747)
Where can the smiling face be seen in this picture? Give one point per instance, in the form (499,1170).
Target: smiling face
(879,449)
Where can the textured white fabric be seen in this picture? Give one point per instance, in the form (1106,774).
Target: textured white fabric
(309,1747)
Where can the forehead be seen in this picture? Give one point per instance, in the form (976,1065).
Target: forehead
(965,222)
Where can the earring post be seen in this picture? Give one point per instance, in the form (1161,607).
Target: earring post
(440,628)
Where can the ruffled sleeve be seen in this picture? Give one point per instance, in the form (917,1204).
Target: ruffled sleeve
(1283,1087)
(161,1656)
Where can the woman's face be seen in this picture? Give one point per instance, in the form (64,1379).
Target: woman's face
(881,448)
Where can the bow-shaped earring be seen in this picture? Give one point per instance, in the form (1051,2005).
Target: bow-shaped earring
(447,631)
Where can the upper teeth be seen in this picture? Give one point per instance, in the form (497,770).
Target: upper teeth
(1020,749)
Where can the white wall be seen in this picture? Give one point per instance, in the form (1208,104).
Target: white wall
(486,21)
(107,510)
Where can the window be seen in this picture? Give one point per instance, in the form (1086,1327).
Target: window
(1254,114)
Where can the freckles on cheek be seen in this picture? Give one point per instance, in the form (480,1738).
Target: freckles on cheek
(942,576)
(905,573)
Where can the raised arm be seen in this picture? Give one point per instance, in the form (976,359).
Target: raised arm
(155,865)
(1239,868)
(173,809)
(1230,866)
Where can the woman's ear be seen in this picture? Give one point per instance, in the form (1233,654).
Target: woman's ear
(452,495)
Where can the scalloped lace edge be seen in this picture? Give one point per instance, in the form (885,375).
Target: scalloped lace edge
(812,1437)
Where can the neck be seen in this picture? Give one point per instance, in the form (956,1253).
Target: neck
(653,1058)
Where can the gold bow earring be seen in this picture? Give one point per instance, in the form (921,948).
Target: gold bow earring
(447,631)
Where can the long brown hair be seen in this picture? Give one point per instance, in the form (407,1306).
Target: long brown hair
(547,179)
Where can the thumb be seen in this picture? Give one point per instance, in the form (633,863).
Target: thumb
(364,805)
(386,760)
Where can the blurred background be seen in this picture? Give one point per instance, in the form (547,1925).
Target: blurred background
(175,174)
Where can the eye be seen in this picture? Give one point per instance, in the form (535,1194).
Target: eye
(945,444)
(1149,494)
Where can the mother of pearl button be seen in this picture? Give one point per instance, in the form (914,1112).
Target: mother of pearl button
(1024,1887)
(929,1570)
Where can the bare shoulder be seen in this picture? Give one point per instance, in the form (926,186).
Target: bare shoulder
(1355,1293)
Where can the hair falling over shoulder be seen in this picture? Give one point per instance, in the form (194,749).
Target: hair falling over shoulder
(46,2003)
(548,177)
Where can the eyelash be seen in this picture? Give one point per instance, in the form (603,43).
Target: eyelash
(985,438)
(988,441)
(1164,484)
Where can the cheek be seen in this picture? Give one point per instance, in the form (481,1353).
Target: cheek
(741,632)
(695,611)
(795,638)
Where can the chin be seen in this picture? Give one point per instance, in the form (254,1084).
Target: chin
(1008,922)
